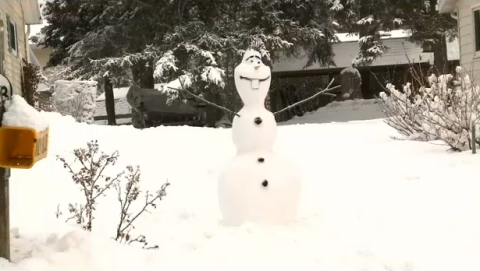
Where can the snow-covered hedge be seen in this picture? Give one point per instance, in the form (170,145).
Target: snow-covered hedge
(76,98)
(444,110)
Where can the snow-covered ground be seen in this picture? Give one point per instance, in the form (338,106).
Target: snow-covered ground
(350,110)
(368,202)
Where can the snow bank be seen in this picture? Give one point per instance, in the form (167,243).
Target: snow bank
(69,248)
(76,98)
(20,114)
(358,211)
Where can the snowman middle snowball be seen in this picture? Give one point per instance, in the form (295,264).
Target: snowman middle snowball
(256,128)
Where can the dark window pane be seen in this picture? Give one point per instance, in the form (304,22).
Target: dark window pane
(12,36)
(476,15)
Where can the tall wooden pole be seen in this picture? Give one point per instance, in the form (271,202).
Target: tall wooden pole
(4,214)
(4,173)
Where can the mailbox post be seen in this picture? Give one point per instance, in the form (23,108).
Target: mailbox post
(5,94)
(4,214)
(20,148)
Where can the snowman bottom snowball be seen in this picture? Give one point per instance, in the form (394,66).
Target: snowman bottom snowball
(259,187)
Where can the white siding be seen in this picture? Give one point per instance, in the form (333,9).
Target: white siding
(466,35)
(12,63)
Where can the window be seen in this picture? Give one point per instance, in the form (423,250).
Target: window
(12,37)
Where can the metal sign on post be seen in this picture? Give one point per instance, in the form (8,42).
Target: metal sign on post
(5,94)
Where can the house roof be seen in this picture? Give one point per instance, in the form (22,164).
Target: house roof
(446,6)
(401,51)
(31,10)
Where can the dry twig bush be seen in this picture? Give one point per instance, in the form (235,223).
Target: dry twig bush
(93,183)
(126,198)
(442,108)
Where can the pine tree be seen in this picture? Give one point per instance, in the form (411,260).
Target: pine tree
(209,40)
(369,18)
(431,30)
(68,22)
(137,41)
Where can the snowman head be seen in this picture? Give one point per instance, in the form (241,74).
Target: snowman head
(252,79)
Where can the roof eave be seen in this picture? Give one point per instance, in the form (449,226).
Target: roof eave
(32,13)
(446,6)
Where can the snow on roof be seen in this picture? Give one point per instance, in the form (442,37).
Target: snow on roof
(394,34)
(118,93)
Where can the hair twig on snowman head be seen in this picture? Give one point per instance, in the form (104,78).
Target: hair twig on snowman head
(202,99)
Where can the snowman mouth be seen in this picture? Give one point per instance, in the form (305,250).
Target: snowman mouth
(255,82)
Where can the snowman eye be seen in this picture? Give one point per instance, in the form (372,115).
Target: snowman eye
(251,60)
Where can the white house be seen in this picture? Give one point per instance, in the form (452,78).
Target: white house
(16,16)
(467,13)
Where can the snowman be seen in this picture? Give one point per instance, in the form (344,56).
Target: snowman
(257,185)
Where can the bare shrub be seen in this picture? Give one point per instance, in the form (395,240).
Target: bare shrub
(91,180)
(442,108)
(89,176)
(126,198)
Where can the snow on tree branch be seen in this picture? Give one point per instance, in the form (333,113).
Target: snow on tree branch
(165,63)
(336,5)
(367,20)
(213,75)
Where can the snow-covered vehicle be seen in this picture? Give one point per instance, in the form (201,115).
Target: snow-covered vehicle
(151,108)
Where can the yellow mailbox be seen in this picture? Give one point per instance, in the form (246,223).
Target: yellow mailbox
(22,147)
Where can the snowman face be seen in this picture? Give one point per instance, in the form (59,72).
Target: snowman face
(252,79)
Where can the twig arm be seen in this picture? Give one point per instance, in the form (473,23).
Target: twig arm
(321,92)
(206,101)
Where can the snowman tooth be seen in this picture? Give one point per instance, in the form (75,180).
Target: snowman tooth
(255,84)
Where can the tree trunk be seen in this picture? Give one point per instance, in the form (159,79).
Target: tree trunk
(109,101)
(143,74)
(213,114)
(440,60)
